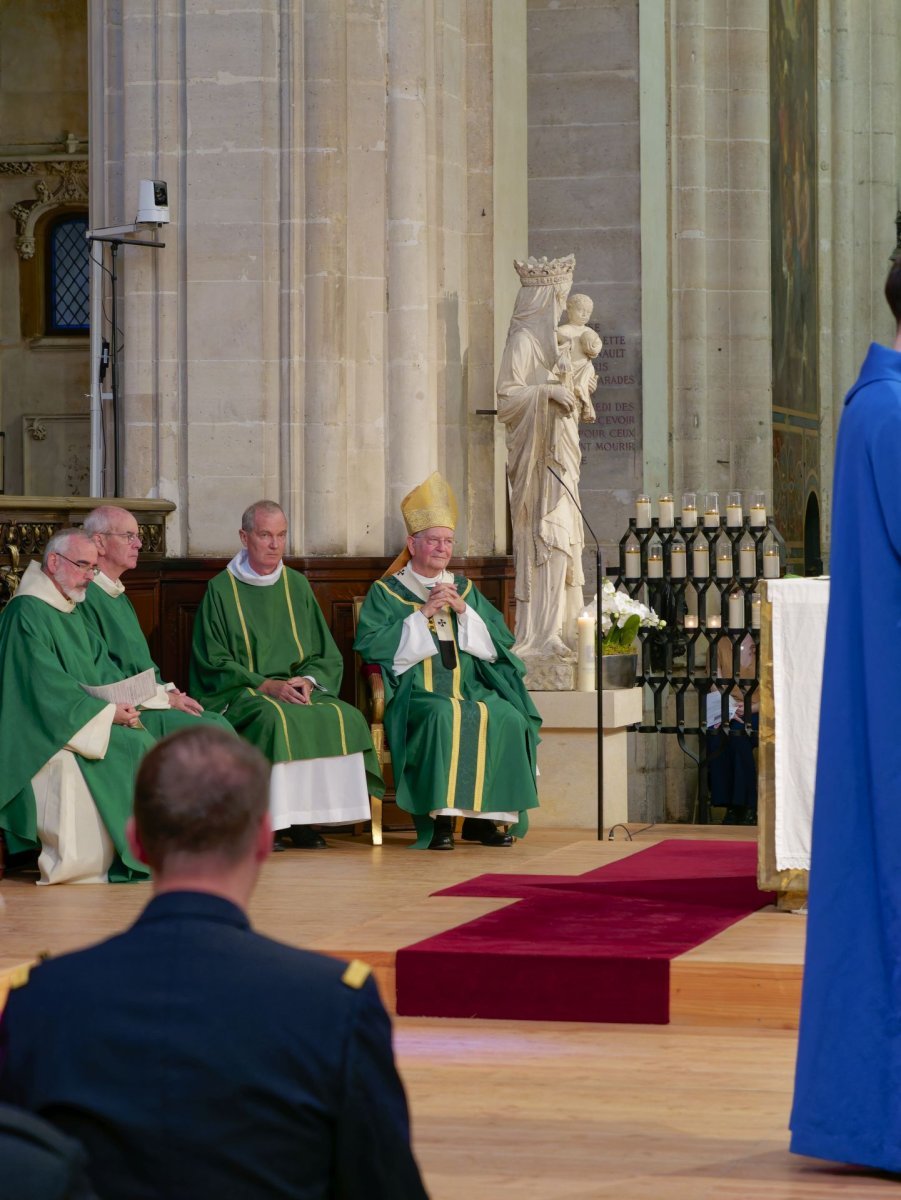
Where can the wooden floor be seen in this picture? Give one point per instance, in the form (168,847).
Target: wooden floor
(695,1110)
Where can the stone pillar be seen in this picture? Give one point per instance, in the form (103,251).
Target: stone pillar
(412,443)
(326,217)
(320,317)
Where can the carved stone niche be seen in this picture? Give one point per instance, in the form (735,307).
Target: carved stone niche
(28,522)
(61,183)
(60,187)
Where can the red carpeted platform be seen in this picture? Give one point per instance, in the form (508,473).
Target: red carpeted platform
(593,947)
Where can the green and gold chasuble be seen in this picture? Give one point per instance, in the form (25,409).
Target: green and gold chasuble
(45,655)
(464,738)
(246,634)
(114,621)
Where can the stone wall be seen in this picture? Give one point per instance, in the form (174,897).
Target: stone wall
(43,100)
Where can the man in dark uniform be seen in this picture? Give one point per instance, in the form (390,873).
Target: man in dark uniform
(193,1057)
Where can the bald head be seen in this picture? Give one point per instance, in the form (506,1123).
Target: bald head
(114,531)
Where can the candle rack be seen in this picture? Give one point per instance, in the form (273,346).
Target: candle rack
(685,659)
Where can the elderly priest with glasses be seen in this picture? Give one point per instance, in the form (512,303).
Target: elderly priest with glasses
(110,614)
(71,737)
(263,656)
(461,726)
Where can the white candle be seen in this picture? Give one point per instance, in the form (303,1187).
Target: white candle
(586,666)
(689,510)
(734,515)
(677,561)
(757,510)
(712,510)
(755,611)
(691,621)
(643,512)
(655,563)
(736,610)
(771,564)
(700,558)
(667,510)
(633,563)
(714,621)
(747,562)
(724,564)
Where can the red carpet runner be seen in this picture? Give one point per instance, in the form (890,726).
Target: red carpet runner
(593,947)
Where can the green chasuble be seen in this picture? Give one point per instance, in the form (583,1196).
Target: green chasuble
(464,738)
(45,655)
(114,621)
(245,634)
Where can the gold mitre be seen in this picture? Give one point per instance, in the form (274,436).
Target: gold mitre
(431,503)
(544,272)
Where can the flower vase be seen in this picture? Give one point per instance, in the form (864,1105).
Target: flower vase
(619,670)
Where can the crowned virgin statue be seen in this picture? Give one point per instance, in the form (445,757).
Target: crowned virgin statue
(537,404)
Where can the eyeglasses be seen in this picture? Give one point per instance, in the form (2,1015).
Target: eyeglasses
(86,568)
(131,537)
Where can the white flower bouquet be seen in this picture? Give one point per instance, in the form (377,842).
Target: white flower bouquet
(621,617)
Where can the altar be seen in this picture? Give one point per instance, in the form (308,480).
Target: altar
(792,643)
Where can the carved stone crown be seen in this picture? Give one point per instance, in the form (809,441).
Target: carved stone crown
(544,272)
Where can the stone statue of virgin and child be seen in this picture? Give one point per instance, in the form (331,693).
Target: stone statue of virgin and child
(544,390)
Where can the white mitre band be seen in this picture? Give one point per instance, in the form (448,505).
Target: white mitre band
(543,272)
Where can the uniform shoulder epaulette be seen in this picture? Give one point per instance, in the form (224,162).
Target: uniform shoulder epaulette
(18,976)
(356,973)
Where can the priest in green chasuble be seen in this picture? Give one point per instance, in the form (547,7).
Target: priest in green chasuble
(460,724)
(110,614)
(263,656)
(68,759)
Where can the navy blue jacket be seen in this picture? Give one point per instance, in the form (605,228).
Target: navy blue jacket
(194,1058)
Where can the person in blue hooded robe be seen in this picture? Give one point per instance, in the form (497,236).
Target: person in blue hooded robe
(847,1104)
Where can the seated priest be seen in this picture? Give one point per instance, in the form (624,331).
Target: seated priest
(460,724)
(111,616)
(263,656)
(68,758)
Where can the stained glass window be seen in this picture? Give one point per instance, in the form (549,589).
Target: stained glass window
(67,293)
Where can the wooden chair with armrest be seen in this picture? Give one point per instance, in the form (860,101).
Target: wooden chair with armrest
(370,693)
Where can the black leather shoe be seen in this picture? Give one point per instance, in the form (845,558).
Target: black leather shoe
(442,834)
(480,829)
(305,837)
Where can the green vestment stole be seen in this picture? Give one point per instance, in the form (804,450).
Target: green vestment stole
(245,634)
(46,655)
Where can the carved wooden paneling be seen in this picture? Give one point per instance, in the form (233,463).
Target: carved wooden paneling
(168,593)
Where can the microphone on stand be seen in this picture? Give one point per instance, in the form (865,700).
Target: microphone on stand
(599,672)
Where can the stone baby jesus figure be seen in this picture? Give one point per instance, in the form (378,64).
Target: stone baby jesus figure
(578,345)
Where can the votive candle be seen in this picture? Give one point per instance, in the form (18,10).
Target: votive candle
(677,560)
(655,563)
(736,610)
(689,510)
(714,621)
(712,510)
(757,510)
(700,558)
(747,561)
(667,510)
(633,562)
(771,563)
(755,611)
(724,564)
(691,621)
(734,515)
(643,512)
